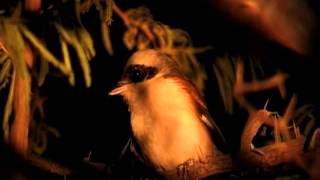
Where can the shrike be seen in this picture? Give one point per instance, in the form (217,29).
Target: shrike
(169,119)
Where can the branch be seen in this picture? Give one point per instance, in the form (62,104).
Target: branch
(122,15)
(275,154)
(288,152)
(241,87)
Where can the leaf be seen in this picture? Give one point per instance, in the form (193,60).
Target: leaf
(314,142)
(44,52)
(67,61)
(143,32)
(39,142)
(3,56)
(8,108)
(181,38)
(129,38)
(141,13)
(71,38)
(15,44)
(53,131)
(142,42)
(83,62)
(44,69)
(302,112)
(108,12)
(161,32)
(256,68)
(106,38)
(86,5)
(5,73)
(194,70)
(86,43)
(223,69)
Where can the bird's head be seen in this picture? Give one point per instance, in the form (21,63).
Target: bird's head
(142,67)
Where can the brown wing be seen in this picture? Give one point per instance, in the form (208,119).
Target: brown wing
(201,106)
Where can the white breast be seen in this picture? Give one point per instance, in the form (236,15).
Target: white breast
(166,125)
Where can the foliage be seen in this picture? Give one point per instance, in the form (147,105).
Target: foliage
(26,59)
(144,32)
(20,46)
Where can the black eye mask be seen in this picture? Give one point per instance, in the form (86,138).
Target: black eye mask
(138,73)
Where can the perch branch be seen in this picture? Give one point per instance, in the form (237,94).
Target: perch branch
(289,151)
(274,154)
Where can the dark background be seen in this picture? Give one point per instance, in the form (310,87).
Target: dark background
(91,121)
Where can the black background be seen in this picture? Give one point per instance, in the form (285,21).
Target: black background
(91,121)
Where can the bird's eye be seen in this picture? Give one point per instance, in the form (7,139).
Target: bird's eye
(138,73)
(151,71)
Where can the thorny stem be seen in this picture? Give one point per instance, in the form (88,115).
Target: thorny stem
(271,155)
(283,125)
(241,87)
(289,151)
(284,121)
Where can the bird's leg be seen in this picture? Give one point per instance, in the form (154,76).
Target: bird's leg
(241,87)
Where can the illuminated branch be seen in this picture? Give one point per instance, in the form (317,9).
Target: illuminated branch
(290,151)
(19,130)
(241,87)
(121,14)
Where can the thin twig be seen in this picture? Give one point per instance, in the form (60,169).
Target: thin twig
(121,14)
(241,87)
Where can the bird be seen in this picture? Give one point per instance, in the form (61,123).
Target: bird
(170,121)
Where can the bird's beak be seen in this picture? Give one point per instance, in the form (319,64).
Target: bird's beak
(122,86)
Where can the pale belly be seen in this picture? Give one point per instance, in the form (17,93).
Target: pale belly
(168,129)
